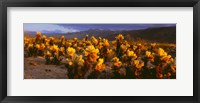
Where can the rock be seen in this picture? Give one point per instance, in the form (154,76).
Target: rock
(39,59)
(33,63)
(150,65)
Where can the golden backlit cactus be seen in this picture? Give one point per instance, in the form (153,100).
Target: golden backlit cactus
(94,40)
(30,45)
(148,53)
(105,42)
(38,37)
(75,60)
(92,53)
(75,39)
(62,51)
(38,34)
(165,58)
(62,38)
(116,62)
(62,41)
(70,51)
(150,56)
(138,64)
(68,44)
(51,41)
(75,65)
(161,52)
(37,46)
(153,44)
(42,47)
(123,48)
(48,57)
(163,55)
(100,66)
(120,37)
(54,48)
(44,39)
(131,54)
(93,58)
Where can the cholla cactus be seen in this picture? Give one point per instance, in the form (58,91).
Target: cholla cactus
(94,58)
(51,41)
(70,52)
(119,40)
(91,53)
(150,56)
(116,62)
(94,41)
(131,54)
(30,50)
(100,66)
(62,42)
(56,56)
(38,37)
(44,39)
(48,57)
(75,65)
(138,65)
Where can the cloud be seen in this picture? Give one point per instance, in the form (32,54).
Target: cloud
(52,31)
(82,27)
(68,28)
(47,28)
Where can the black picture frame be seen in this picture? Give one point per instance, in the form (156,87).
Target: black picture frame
(99,3)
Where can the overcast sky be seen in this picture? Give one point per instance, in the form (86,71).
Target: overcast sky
(66,28)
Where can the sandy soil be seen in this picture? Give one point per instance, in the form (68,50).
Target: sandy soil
(35,68)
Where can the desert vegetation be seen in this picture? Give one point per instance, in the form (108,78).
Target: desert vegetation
(100,58)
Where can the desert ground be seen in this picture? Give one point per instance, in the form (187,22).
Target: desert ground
(35,68)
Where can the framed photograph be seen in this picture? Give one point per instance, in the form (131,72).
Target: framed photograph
(142,51)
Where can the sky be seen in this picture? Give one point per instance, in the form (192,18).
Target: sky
(69,28)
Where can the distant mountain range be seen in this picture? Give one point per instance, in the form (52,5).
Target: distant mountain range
(161,34)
